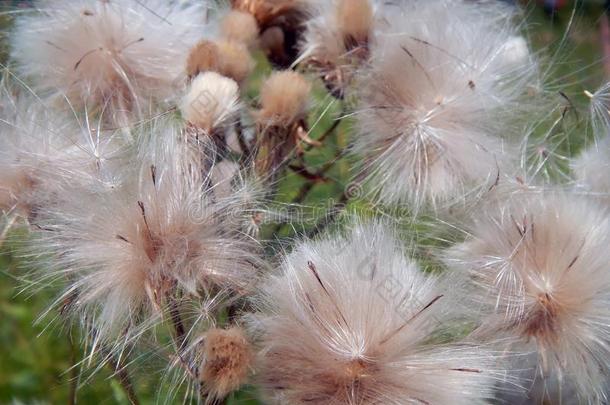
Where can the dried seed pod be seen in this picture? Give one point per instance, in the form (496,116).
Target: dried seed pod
(239,26)
(228,58)
(227,360)
(284,99)
(203,57)
(281,125)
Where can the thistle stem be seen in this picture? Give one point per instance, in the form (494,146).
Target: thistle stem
(73,376)
(331,130)
(122,376)
(243,144)
(180,331)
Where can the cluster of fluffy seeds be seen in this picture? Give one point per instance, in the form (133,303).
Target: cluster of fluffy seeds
(42,152)
(142,218)
(352,321)
(127,53)
(437,104)
(130,250)
(227,361)
(540,277)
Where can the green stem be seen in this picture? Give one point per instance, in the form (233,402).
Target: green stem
(73,371)
(122,375)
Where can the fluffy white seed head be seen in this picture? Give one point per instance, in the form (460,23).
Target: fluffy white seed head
(438,104)
(26,149)
(352,320)
(43,151)
(128,52)
(540,273)
(161,235)
(211,101)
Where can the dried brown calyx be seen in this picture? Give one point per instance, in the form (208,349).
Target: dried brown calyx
(281,24)
(541,322)
(277,143)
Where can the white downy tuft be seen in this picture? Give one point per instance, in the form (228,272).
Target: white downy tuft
(351,320)
(212,101)
(541,279)
(162,236)
(125,55)
(439,106)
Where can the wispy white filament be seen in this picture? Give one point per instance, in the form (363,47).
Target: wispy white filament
(439,106)
(127,52)
(540,271)
(351,320)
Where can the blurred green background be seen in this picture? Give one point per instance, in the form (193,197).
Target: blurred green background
(36,360)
